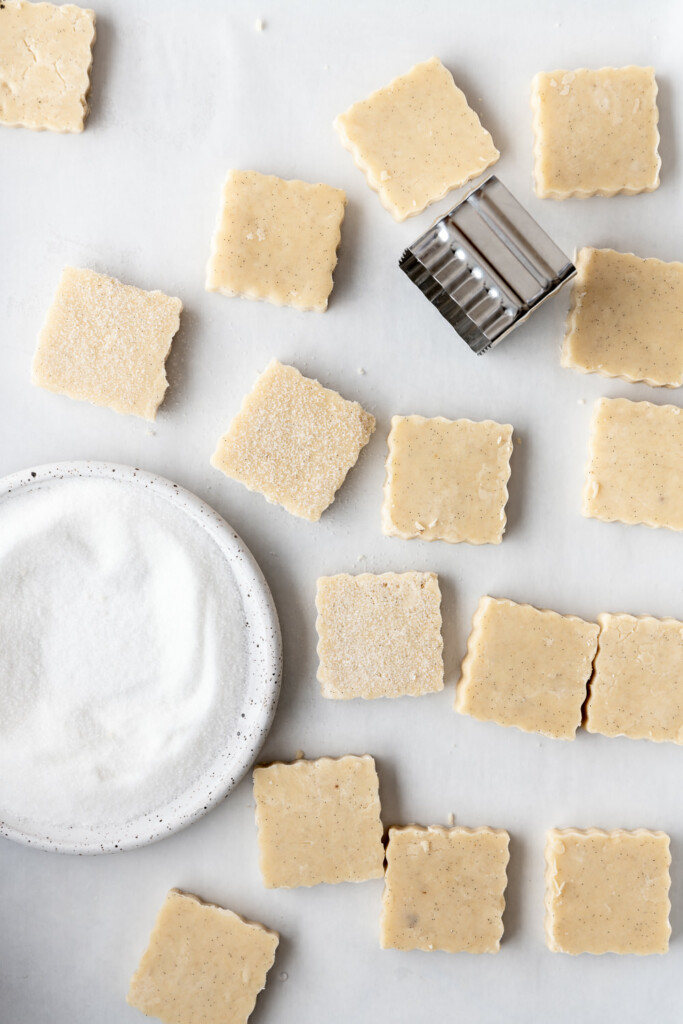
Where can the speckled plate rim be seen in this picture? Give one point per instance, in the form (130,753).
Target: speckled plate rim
(264,670)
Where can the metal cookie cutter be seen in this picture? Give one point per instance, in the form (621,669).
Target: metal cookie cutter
(486,265)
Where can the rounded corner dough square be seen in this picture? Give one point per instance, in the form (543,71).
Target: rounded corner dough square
(276,240)
(447,480)
(527,668)
(293,441)
(595,132)
(106,343)
(319,821)
(379,635)
(607,892)
(416,139)
(444,889)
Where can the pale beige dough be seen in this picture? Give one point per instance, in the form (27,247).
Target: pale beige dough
(105,342)
(527,668)
(379,636)
(445,889)
(626,318)
(276,240)
(45,59)
(203,965)
(319,821)
(607,892)
(416,139)
(293,441)
(635,467)
(595,132)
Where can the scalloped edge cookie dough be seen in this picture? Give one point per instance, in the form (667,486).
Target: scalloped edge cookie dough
(607,892)
(276,240)
(595,132)
(106,343)
(416,139)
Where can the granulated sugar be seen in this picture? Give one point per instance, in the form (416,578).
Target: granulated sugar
(122,653)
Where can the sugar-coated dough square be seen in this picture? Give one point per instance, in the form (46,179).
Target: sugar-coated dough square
(527,668)
(637,685)
(595,132)
(447,480)
(607,892)
(45,58)
(319,821)
(105,342)
(203,965)
(379,636)
(626,318)
(293,441)
(445,889)
(416,139)
(276,240)
(635,467)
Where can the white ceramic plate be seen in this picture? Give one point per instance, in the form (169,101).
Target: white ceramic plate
(264,668)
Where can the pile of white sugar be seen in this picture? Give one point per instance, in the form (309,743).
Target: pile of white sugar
(122,653)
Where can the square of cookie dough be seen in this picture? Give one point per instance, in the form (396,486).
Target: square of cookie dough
(416,139)
(527,668)
(447,480)
(293,441)
(379,636)
(607,892)
(106,343)
(276,240)
(626,318)
(319,821)
(595,132)
(637,685)
(203,963)
(45,59)
(445,889)
(635,465)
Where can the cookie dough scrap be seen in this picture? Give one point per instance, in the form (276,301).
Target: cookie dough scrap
(607,892)
(276,240)
(203,963)
(106,343)
(445,889)
(447,480)
(416,139)
(379,636)
(527,668)
(319,821)
(626,318)
(45,59)
(595,132)
(637,686)
(293,441)
(635,467)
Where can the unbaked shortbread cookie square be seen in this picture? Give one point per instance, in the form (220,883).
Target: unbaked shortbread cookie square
(293,441)
(416,139)
(607,892)
(635,467)
(276,240)
(105,342)
(626,318)
(447,480)
(445,889)
(45,59)
(319,821)
(203,963)
(379,636)
(595,132)
(637,686)
(527,668)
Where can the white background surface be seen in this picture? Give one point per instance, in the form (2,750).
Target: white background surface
(180,93)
